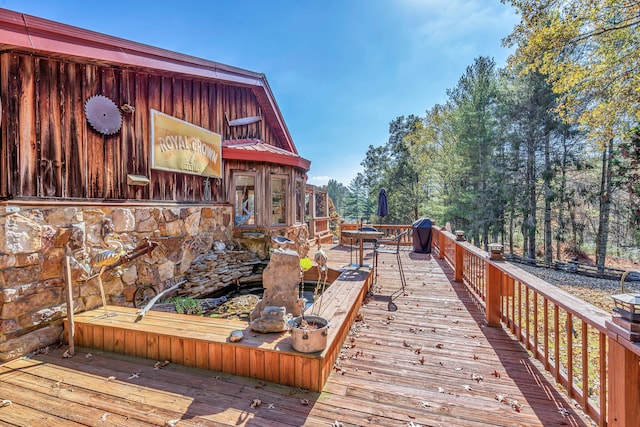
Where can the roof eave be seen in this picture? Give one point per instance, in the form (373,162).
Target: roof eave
(260,156)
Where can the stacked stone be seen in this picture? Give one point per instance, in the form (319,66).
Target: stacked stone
(214,271)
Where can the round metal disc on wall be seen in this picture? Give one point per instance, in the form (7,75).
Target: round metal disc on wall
(103,114)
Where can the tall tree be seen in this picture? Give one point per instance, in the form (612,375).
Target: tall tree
(590,51)
(403,184)
(473,101)
(358,205)
(338,193)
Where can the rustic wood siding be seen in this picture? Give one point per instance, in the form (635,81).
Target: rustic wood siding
(49,150)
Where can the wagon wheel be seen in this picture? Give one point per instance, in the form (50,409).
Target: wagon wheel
(143,295)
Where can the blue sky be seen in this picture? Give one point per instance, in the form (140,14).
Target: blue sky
(341,70)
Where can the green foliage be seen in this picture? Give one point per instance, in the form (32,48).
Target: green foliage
(590,51)
(186,305)
(338,194)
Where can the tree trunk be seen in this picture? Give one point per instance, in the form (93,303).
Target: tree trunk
(531,190)
(511,229)
(605,206)
(548,197)
(560,233)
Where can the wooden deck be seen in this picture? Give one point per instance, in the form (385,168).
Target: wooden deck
(430,361)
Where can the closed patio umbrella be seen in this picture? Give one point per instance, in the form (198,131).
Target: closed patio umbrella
(383,208)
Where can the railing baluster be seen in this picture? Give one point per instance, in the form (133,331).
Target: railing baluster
(527,319)
(513,308)
(556,341)
(569,331)
(602,421)
(585,364)
(536,351)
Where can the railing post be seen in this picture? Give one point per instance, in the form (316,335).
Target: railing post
(493,292)
(624,381)
(442,243)
(458,270)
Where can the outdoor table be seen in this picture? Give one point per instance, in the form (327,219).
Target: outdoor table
(361,236)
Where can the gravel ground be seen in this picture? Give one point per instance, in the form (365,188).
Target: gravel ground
(595,291)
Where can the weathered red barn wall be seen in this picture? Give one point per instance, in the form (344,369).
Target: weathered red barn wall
(49,149)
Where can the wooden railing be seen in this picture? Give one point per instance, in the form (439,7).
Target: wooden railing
(389,230)
(575,341)
(319,229)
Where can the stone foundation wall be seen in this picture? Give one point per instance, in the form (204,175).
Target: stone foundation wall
(34,243)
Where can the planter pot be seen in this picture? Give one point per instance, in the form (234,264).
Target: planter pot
(309,339)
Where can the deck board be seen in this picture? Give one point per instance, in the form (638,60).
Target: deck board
(379,377)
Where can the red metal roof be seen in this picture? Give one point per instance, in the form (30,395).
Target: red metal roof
(258,151)
(26,32)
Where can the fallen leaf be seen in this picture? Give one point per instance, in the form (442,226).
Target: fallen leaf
(440,390)
(5,402)
(516,405)
(425,404)
(160,365)
(104,416)
(67,354)
(458,369)
(304,402)
(477,377)
(134,375)
(406,344)
(171,423)
(336,423)
(476,357)
(88,356)
(260,385)
(439,345)
(564,412)
(496,374)
(467,387)
(111,378)
(255,403)
(271,406)
(422,360)
(500,398)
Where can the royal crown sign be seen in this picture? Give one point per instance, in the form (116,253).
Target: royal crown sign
(179,146)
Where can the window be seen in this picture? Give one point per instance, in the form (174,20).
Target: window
(300,201)
(321,204)
(245,204)
(278,200)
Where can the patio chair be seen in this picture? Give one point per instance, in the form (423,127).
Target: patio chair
(390,246)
